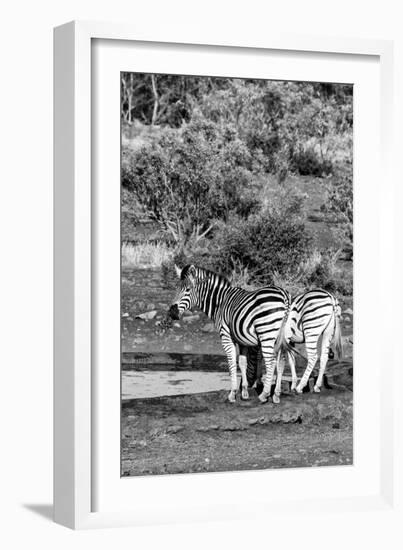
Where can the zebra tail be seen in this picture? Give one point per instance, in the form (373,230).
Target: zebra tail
(281,344)
(338,344)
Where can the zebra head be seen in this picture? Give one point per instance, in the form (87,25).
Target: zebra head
(186,296)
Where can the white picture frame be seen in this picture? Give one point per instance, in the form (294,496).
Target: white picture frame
(77,390)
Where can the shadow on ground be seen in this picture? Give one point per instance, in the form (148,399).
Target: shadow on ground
(43,510)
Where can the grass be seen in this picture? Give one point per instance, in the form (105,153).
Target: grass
(146,255)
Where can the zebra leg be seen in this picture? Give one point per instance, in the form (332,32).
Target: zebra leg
(242,366)
(280,369)
(312,353)
(324,355)
(270,362)
(230,350)
(294,379)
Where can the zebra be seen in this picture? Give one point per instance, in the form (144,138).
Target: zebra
(246,318)
(313,318)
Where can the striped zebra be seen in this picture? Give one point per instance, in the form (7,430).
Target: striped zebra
(313,318)
(243,318)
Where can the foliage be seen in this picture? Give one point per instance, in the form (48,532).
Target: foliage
(214,161)
(285,125)
(339,203)
(188,180)
(162,99)
(319,270)
(265,243)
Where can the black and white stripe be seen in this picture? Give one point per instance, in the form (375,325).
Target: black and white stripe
(313,319)
(248,319)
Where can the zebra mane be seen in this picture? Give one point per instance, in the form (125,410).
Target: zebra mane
(203,274)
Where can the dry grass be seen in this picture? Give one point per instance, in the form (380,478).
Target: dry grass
(145,255)
(305,275)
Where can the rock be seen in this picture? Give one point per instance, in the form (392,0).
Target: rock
(139,340)
(174,429)
(232,427)
(125,314)
(177,325)
(147,316)
(191,318)
(207,428)
(330,410)
(348,311)
(208,327)
(287,417)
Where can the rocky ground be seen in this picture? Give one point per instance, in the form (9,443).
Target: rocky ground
(204,433)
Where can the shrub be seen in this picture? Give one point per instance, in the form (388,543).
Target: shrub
(318,270)
(188,180)
(265,243)
(339,203)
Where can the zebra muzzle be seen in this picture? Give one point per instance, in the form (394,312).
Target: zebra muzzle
(174,312)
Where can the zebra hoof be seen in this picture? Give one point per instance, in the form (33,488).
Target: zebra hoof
(316,389)
(244,394)
(232,397)
(263,397)
(299,390)
(276,399)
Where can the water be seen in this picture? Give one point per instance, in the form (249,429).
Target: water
(136,384)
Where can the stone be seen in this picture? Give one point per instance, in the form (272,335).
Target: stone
(147,316)
(348,311)
(191,318)
(208,327)
(174,429)
(232,427)
(125,315)
(330,411)
(139,340)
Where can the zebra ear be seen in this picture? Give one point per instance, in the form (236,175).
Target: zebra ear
(192,271)
(178,271)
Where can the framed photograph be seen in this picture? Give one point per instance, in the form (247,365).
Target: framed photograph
(222,221)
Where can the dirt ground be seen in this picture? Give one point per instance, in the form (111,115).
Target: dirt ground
(204,433)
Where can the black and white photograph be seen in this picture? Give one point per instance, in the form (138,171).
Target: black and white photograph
(236,274)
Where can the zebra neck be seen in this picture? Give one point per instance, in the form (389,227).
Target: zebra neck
(210,298)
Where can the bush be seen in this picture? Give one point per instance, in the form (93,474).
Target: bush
(318,270)
(286,126)
(339,204)
(265,243)
(188,180)
(308,162)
